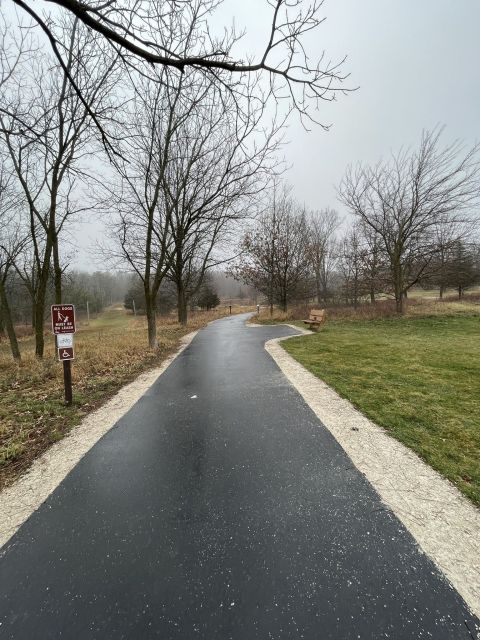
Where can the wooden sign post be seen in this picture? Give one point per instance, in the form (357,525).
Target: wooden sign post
(63,328)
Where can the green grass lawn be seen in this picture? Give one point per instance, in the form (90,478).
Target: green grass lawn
(417,377)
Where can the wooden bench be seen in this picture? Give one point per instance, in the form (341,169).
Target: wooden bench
(316,319)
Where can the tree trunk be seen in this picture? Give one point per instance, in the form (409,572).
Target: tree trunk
(151,320)
(7,320)
(441,291)
(40,298)
(325,297)
(398,287)
(355,293)
(372,295)
(182,304)
(57,273)
(39,326)
(270,294)
(2,323)
(40,314)
(318,286)
(40,303)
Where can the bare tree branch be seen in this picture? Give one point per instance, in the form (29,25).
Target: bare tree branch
(146,31)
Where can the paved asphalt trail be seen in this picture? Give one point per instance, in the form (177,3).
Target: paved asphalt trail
(220,508)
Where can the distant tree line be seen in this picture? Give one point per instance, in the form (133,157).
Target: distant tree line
(166,301)
(97,290)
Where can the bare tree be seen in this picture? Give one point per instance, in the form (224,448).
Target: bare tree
(146,33)
(374,266)
(47,135)
(444,241)
(156,112)
(16,47)
(351,264)
(160,104)
(405,200)
(12,242)
(275,253)
(221,164)
(192,156)
(448,239)
(463,267)
(323,226)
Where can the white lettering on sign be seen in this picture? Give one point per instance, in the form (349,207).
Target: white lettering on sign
(63,318)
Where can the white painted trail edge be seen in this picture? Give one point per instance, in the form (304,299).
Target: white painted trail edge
(21,499)
(445,525)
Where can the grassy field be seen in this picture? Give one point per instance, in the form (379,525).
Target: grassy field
(110,352)
(416,376)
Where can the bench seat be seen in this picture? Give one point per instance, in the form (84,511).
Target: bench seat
(317,317)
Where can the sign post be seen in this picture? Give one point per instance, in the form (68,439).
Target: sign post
(63,328)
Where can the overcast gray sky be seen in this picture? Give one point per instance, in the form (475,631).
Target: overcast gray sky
(416,65)
(415,62)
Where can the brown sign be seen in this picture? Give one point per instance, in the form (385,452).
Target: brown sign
(66,353)
(63,318)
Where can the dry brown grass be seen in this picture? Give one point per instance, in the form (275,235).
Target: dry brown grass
(417,306)
(110,352)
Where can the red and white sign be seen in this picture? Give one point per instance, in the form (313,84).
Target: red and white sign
(63,318)
(66,353)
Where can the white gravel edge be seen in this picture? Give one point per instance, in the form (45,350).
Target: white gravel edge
(445,525)
(22,498)
(283,324)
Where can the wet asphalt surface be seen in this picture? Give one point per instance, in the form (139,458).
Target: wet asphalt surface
(220,508)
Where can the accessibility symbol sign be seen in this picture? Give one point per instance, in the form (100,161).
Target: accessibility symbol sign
(63,318)
(66,353)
